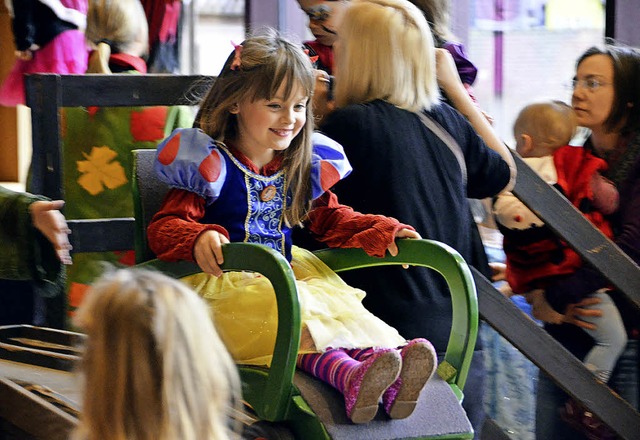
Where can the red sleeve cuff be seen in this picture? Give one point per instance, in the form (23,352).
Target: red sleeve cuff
(338,225)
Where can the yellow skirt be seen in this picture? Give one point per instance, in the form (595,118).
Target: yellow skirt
(244,311)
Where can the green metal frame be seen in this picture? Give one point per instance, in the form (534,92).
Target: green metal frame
(271,392)
(450,264)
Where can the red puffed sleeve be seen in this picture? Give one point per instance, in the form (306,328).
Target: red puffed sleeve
(174,229)
(338,225)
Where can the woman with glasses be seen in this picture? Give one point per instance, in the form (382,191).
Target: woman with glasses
(606,100)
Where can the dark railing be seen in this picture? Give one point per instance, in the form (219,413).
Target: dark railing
(534,342)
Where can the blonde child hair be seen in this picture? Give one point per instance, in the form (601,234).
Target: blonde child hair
(543,127)
(386,52)
(115,26)
(254,71)
(154,367)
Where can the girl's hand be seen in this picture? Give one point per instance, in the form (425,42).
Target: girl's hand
(208,252)
(402,233)
(47,218)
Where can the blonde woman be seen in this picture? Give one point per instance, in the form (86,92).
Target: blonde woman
(385,87)
(154,367)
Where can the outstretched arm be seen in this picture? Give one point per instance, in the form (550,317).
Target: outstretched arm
(48,219)
(449,81)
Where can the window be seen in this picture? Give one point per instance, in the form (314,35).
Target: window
(525,50)
(215,24)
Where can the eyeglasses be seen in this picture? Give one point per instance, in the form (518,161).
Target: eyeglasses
(591,84)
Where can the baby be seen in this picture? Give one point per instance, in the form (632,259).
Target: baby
(536,258)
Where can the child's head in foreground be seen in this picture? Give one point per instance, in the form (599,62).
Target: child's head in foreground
(543,127)
(154,367)
(115,26)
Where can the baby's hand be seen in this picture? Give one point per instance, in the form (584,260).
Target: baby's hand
(208,252)
(541,309)
(47,218)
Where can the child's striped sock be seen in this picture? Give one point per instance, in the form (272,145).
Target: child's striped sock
(333,366)
(360,354)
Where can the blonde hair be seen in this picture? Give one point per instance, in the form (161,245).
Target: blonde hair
(154,366)
(266,62)
(550,124)
(118,26)
(386,52)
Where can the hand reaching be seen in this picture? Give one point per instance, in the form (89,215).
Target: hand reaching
(572,315)
(208,252)
(47,218)
(323,102)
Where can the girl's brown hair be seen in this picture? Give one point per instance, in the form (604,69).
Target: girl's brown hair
(267,61)
(437,14)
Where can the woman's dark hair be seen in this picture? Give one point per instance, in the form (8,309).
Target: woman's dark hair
(625,113)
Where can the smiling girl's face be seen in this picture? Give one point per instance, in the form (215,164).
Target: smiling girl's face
(269,125)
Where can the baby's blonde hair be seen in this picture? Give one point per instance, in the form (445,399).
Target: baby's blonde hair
(154,367)
(550,124)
